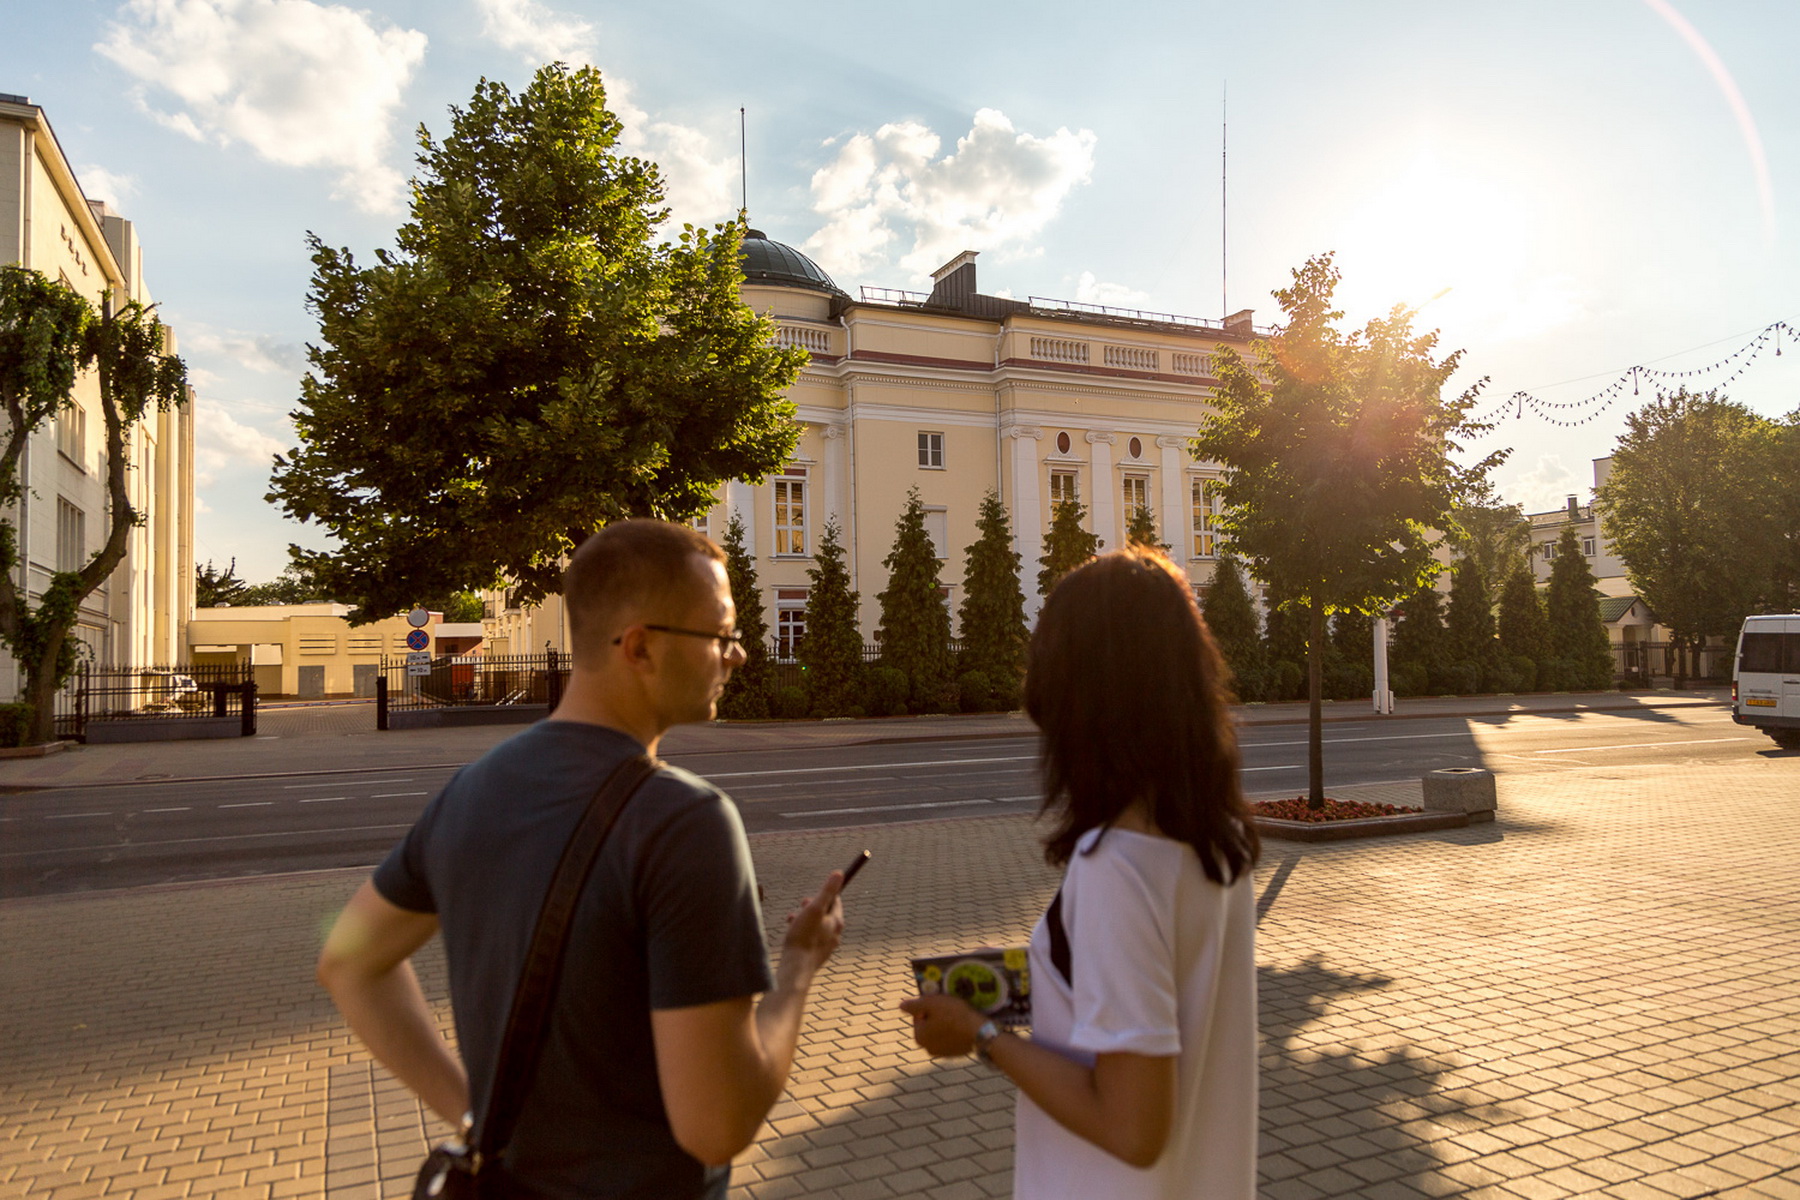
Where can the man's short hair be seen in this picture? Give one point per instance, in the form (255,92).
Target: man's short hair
(628,568)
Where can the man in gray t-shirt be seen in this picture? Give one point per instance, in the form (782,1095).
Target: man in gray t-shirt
(660,1063)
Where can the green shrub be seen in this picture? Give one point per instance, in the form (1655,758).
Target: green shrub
(1525,673)
(884,693)
(974,691)
(1007,696)
(1409,679)
(1459,678)
(1557,675)
(790,702)
(1344,680)
(1286,681)
(15,724)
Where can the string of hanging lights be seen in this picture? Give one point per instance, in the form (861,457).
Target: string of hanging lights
(1572,413)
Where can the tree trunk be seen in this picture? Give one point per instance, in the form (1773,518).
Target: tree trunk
(40,692)
(1681,661)
(1315,717)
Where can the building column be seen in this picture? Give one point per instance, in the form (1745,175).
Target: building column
(1176,523)
(1104,523)
(833,476)
(740,498)
(1027,511)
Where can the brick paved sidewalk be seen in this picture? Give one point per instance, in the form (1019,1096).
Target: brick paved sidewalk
(1599,994)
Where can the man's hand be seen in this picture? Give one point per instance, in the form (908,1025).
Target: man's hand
(813,929)
(944,1026)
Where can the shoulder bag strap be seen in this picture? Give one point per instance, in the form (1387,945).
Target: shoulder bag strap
(1059,941)
(529,1019)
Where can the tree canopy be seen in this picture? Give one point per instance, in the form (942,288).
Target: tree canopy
(1338,462)
(1578,637)
(1066,545)
(746,694)
(48,336)
(214,588)
(831,653)
(527,364)
(1694,506)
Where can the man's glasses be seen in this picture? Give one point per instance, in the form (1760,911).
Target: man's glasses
(726,640)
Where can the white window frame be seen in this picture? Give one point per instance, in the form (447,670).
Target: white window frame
(939,544)
(1587,547)
(1549,551)
(1133,503)
(790,628)
(1203,517)
(71,435)
(791,539)
(71,536)
(1074,488)
(931,450)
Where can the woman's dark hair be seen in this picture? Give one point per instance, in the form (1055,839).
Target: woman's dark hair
(1129,690)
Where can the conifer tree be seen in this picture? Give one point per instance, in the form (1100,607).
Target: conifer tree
(915,624)
(1469,622)
(746,696)
(1066,546)
(1577,635)
(1523,629)
(1231,615)
(1419,640)
(831,652)
(1140,529)
(992,616)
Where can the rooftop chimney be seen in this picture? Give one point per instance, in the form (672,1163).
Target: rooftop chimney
(1574,509)
(954,282)
(1239,322)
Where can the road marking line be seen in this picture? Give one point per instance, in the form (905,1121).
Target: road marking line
(322,799)
(293,786)
(1394,737)
(228,837)
(250,804)
(942,762)
(1288,767)
(874,808)
(1644,745)
(183,808)
(72,816)
(391,795)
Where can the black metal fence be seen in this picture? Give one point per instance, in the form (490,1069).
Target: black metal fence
(471,680)
(155,694)
(1647,661)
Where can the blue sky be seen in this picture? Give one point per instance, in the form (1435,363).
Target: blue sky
(1597,184)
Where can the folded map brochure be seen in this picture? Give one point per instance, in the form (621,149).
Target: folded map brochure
(994,979)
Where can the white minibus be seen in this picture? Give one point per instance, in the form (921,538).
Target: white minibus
(1765,681)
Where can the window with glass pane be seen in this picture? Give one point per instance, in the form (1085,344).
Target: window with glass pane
(790,627)
(71,536)
(1206,512)
(1587,547)
(790,516)
(931,450)
(1063,489)
(1137,494)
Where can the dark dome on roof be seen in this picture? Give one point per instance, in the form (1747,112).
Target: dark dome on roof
(773,264)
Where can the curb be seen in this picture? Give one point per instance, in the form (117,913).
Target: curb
(1338,831)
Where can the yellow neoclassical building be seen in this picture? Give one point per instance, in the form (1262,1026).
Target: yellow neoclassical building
(955,392)
(138,616)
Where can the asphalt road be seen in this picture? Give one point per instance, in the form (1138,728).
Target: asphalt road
(75,839)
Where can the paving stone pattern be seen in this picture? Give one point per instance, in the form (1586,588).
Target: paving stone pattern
(1598,994)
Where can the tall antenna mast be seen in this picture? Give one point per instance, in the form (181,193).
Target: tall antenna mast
(1224,242)
(744,160)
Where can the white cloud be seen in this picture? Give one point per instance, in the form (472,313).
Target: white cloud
(698,178)
(1548,485)
(539,34)
(889,190)
(98,183)
(259,352)
(302,84)
(223,444)
(1089,290)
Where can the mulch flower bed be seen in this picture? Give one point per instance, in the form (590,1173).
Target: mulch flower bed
(1334,810)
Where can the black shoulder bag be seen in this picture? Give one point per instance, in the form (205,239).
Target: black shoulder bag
(468,1168)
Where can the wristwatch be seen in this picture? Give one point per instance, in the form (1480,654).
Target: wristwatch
(984,1037)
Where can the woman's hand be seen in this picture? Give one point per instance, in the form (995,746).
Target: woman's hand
(943,1026)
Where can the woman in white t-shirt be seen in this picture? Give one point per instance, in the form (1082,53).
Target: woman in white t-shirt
(1139,1079)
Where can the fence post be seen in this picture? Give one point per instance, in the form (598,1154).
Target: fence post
(247,708)
(218,690)
(381,689)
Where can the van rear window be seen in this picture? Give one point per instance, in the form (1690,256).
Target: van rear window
(1770,653)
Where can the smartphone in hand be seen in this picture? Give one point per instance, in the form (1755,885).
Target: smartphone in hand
(856,864)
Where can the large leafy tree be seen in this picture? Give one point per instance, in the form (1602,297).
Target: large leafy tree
(1692,508)
(1497,535)
(1577,635)
(915,623)
(48,336)
(528,364)
(746,695)
(1338,463)
(992,614)
(1066,544)
(831,653)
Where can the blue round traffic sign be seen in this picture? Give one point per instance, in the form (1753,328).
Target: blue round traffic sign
(418,639)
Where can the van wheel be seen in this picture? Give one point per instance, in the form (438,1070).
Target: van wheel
(1787,739)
